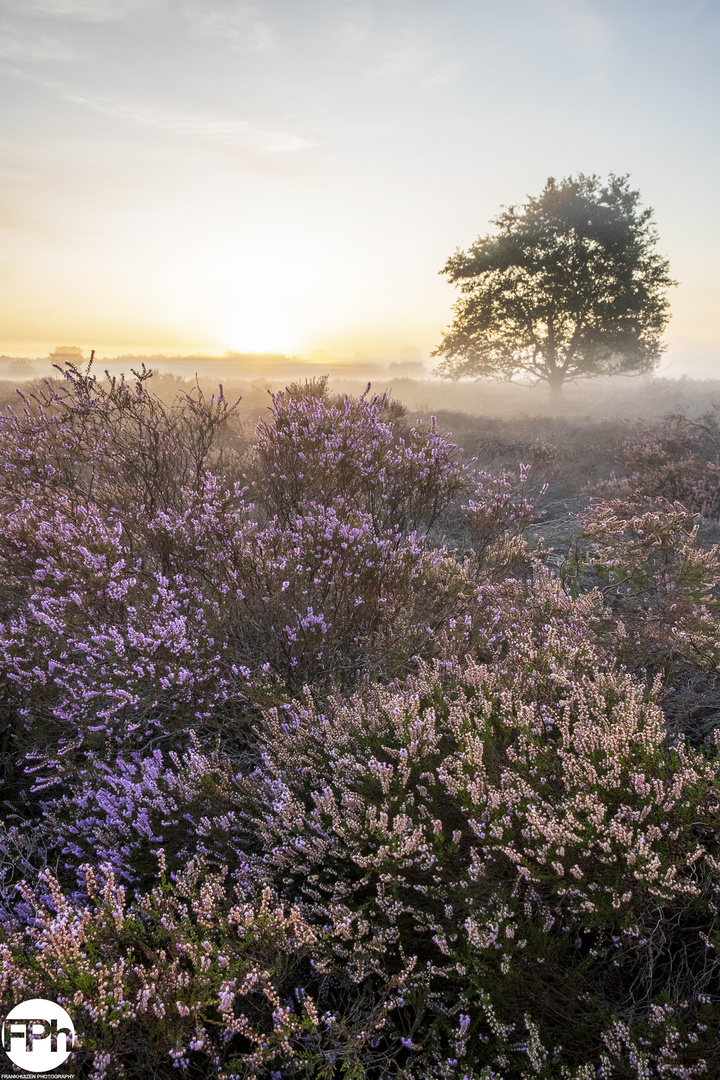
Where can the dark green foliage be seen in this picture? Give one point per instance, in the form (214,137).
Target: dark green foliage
(569,286)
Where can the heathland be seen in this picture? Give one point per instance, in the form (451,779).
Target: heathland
(335,745)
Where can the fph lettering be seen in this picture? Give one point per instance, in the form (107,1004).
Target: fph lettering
(20,1028)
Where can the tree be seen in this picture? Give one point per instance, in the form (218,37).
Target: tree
(569,286)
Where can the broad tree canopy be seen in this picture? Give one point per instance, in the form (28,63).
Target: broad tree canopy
(569,286)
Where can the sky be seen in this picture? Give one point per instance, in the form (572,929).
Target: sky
(182,176)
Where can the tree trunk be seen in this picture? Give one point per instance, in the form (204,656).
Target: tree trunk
(555,385)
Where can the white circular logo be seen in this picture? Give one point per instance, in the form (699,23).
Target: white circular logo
(37,1035)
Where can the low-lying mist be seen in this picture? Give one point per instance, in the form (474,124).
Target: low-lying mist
(569,443)
(251,375)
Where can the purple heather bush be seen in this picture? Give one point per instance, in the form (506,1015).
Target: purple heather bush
(322,450)
(677,461)
(312,767)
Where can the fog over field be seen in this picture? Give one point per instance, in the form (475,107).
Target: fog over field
(409,379)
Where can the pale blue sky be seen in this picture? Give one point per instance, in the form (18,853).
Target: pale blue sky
(292,174)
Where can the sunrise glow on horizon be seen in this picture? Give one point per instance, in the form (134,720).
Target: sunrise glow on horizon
(204,176)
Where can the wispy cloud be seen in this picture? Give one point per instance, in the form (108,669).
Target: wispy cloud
(393,53)
(407,53)
(242,133)
(578,22)
(21,47)
(354,28)
(19,42)
(236,24)
(245,134)
(80,10)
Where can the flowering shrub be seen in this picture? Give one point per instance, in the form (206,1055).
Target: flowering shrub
(422,808)
(679,462)
(496,516)
(661,586)
(195,976)
(536,859)
(189,804)
(517,874)
(112,443)
(321,451)
(648,553)
(102,643)
(119,810)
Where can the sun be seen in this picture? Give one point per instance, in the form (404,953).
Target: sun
(260,330)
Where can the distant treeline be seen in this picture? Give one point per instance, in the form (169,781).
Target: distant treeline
(232,365)
(250,375)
